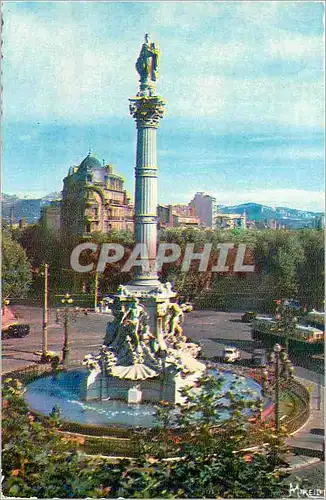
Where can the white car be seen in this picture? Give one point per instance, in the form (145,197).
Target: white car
(231,354)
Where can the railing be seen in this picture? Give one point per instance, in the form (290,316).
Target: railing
(294,423)
(28,373)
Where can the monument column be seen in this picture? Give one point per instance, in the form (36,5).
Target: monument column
(147,109)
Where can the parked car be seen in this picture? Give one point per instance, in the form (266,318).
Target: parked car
(248,316)
(259,357)
(231,354)
(292,303)
(15,331)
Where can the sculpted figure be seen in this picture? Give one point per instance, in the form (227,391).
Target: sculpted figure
(112,329)
(148,61)
(175,320)
(123,291)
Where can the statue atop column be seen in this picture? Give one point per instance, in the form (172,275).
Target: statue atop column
(148,61)
(147,67)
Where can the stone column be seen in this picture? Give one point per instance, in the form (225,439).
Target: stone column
(147,112)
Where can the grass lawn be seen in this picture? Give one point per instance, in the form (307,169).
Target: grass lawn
(290,404)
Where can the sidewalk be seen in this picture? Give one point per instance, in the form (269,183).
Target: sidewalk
(309,440)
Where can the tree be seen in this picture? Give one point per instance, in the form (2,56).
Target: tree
(311,272)
(209,448)
(209,456)
(286,321)
(277,254)
(16,274)
(40,244)
(38,462)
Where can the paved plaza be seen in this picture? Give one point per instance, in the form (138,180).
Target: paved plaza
(212,329)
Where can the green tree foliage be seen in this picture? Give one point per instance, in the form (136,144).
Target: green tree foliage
(40,244)
(311,270)
(278,254)
(16,274)
(208,452)
(287,264)
(38,462)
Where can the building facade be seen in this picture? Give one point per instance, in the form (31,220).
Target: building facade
(176,216)
(231,221)
(51,216)
(204,207)
(94,200)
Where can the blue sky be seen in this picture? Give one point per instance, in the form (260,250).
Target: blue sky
(243,83)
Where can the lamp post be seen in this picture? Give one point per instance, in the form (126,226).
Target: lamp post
(277,350)
(286,321)
(280,368)
(66,314)
(45,315)
(96,291)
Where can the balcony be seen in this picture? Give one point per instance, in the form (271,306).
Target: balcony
(118,218)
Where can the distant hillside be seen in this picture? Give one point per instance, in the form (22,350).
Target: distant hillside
(289,217)
(15,208)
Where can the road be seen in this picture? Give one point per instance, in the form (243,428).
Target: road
(212,329)
(85,334)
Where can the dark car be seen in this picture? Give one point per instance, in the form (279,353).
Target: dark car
(15,331)
(259,357)
(248,316)
(292,304)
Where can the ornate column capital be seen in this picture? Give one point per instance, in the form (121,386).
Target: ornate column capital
(147,111)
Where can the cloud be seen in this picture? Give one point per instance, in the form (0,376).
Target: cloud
(227,68)
(282,153)
(296,47)
(292,198)
(64,61)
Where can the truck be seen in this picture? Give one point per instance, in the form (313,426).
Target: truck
(303,339)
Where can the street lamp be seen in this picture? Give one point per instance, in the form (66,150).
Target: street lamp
(45,274)
(281,368)
(66,314)
(286,321)
(277,351)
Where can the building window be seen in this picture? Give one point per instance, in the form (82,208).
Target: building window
(88,227)
(88,178)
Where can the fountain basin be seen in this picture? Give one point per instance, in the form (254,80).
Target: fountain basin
(64,391)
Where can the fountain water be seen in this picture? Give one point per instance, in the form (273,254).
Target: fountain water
(64,391)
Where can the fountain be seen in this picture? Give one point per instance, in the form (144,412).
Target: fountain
(135,364)
(145,357)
